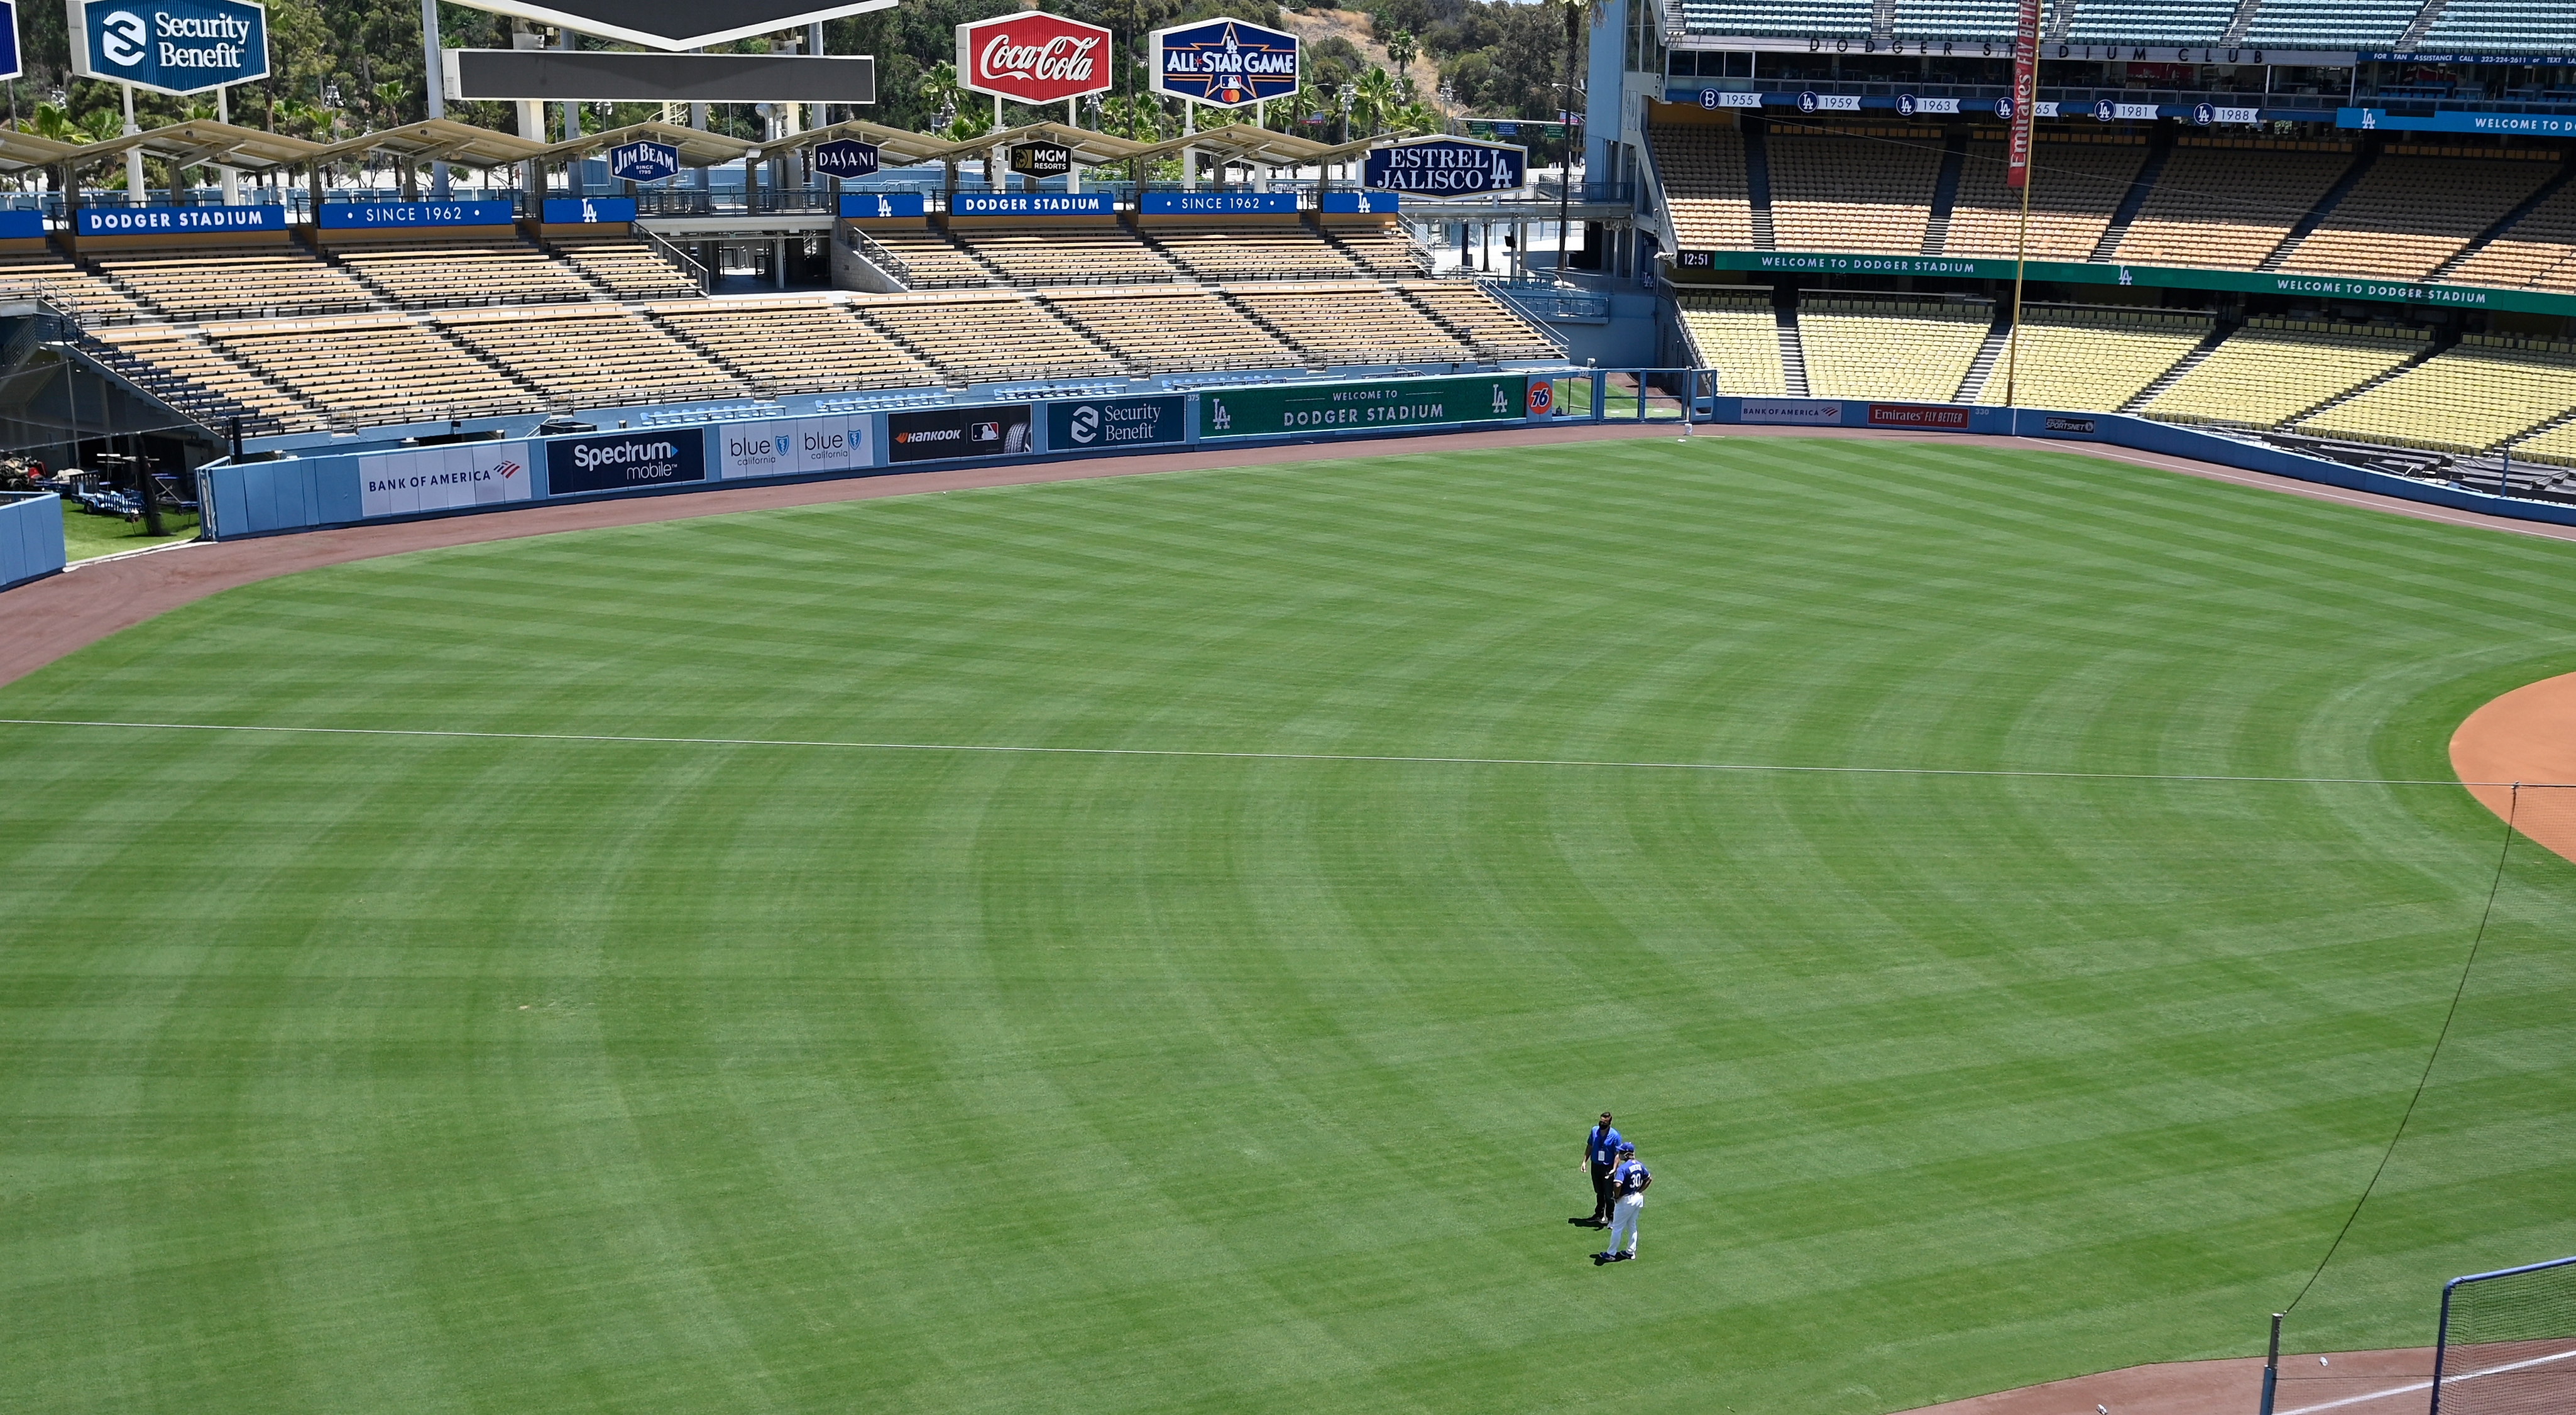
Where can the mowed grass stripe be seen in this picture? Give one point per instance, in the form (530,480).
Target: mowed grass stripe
(470,1073)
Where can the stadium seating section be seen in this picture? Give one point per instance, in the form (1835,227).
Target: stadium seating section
(1001,335)
(627,269)
(68,285)
(1739,337)
(2078,189)
(2487,26)
(2475,396)
(279,279)
(1379,247)
(2539,251)
(1703,175)
(930,260)
(1107,254)
(2273,370)
(1830,192)
(424,273)
(1173,329)
(2555,445)
(2097,359)
(2229,207)
(368,370)
(1493,332)
(2410,213)
(1890,348)
(795,345)
(1337,329)
(592,355)
(1245,251)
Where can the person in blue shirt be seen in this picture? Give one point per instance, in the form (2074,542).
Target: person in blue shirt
(1600,1152)
(1631,1181)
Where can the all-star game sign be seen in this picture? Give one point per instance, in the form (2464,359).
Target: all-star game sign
(1225,63)
(9,65)
(168,46)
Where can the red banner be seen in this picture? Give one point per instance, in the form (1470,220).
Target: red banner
(2025,95)
(1033,57)
(1930,415)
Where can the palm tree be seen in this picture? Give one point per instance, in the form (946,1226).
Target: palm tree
(1375,101)
(102,125)
(1400,48)
(389,98)
(939,88)
(1414,119)
(54,123)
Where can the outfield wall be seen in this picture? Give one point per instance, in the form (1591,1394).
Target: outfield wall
(393,483)
(31,538)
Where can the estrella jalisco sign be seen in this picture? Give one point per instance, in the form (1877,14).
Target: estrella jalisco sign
(1447,167)
(1225,63)
(169,46)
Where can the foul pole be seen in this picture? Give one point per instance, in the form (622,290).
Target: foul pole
(2025,106)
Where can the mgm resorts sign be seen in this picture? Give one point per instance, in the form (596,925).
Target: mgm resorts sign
(1438,167)
(169,46)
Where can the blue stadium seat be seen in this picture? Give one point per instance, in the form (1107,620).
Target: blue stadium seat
(1776,17)
(2154,22)
(1956,19)
(2504,27)
(2331,24)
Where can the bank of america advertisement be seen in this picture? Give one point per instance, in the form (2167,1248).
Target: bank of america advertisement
(797,445)
(1351,407)
(444,478)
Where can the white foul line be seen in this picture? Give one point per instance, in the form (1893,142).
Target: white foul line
(1179,752)
(2428,1385)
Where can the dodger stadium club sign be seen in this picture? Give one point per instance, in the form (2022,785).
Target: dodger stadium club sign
(1447,167)
(169,46)
(1034,57)
(1225,63)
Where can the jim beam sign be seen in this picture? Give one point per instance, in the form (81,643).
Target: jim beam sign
(1034,57)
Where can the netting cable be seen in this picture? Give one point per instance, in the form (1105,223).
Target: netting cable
(2513,806)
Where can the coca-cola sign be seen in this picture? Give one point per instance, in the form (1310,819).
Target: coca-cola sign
(1034,57)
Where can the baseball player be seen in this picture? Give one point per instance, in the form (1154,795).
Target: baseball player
(1631,1181)
(1600,1152)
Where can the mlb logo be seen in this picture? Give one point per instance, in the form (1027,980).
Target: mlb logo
(985,432)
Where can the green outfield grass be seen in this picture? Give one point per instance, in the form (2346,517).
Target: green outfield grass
(87,537)
(469,1073)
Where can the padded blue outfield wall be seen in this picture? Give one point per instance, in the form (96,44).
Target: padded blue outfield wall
(405,483)
(31,538)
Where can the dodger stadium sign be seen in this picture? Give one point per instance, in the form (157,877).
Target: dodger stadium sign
(1447,167)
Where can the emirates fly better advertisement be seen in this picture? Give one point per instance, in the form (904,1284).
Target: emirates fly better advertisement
(1033,57)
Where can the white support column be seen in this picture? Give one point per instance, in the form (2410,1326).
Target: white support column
(1189,155)
(434,62)
(230,177)
(133,155)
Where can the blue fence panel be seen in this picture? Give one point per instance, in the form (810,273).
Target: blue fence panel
(31,538)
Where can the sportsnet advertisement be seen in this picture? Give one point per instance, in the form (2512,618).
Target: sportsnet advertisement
(1033,57)
(1354,407)
(938,434)
(795,446)
(1113,423)
(173,46)
(444,478)
(1224,63)
(626,461)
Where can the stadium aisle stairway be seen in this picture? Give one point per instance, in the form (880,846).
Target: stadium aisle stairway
(1705,190)
(1830,192)
(1244,251)
(1890,348)
(1378,248)
(2227,208)
(2273,370)
(371,370)
(791,345)
(1337,325)
(2096,359)
(2412,212)
(264,280)
(1739,337)
(2475,396)
(592,356)
(2539,251)
(994,338)
(935,262)
(627,269)
(2078,190)
(1478,319)
(1172,329)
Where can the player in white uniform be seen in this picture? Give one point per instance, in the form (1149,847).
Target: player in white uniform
(1630,1182)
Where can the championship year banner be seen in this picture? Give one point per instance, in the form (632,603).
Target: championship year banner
(444,478)
(937,434)
(407,215)
(626,461)
(169,46)
(1113,423)
(795,446)
(1338,407)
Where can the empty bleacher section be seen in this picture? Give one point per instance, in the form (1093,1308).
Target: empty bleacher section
(2078,189)
(931,261)
(1702,168)
(207,284)
(373,369)
(2539,251)
(628,269)
(1172,329)
(428,273)
(1791,18)
(2479,394)
(1066,254)
(2556,446)
(2151,21)
(2412,211)
(2228,206)
(2272,370)
(1739,336)
(2331,24)
(182,370)
(1379,247)
(1832,192)
(1341,325)
(70,286)
(2095,359)
(993,338)
(1491,330)
(795,345)
(2503,27)
(1250,251)
(594,356)
(1890,348)
(1956,19)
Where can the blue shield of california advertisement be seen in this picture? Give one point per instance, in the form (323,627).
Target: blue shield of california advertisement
(170,46)
(1225,63)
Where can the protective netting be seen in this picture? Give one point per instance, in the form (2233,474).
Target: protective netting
(2508,1343)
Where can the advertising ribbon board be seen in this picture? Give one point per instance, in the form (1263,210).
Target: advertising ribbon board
(1225,63)
(409,215)
(793,446)
(845,157)
(1033,57)
(2025,96)
(1447,167)
(159,220)
(938,434)
(1113,423)
(643,161)
(1332,407)
(169,46)
(626,461)
(444,478)
(1031,204)
(1794,412)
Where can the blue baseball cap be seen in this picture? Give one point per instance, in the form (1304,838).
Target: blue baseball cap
(1627,1149)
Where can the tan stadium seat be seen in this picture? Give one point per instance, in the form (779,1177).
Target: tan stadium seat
(2272,370)
(2227,208)
(2076,189)
(2095,359)
(2539,251)
(1218,250)
(1172,329)
(1489,327)
(931,261)
(70,286)
(261,280)
(789,345)
(2480,394)
(204,381)
(592,356)
(1739,337)
(1379,248)
(990,338)
(2409,214)
(1067,255)
(628,269)
(1705,191)
(1860,348)
(1336,325)
(1837,193)
(429,273)
(373,370)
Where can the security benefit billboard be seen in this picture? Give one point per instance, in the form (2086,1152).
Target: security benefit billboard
(937,434)
(626,461)
(1447,167)
(794,446)
(1226,63)
(169,46)
(1113,422)
(444,478)
(1361,407)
